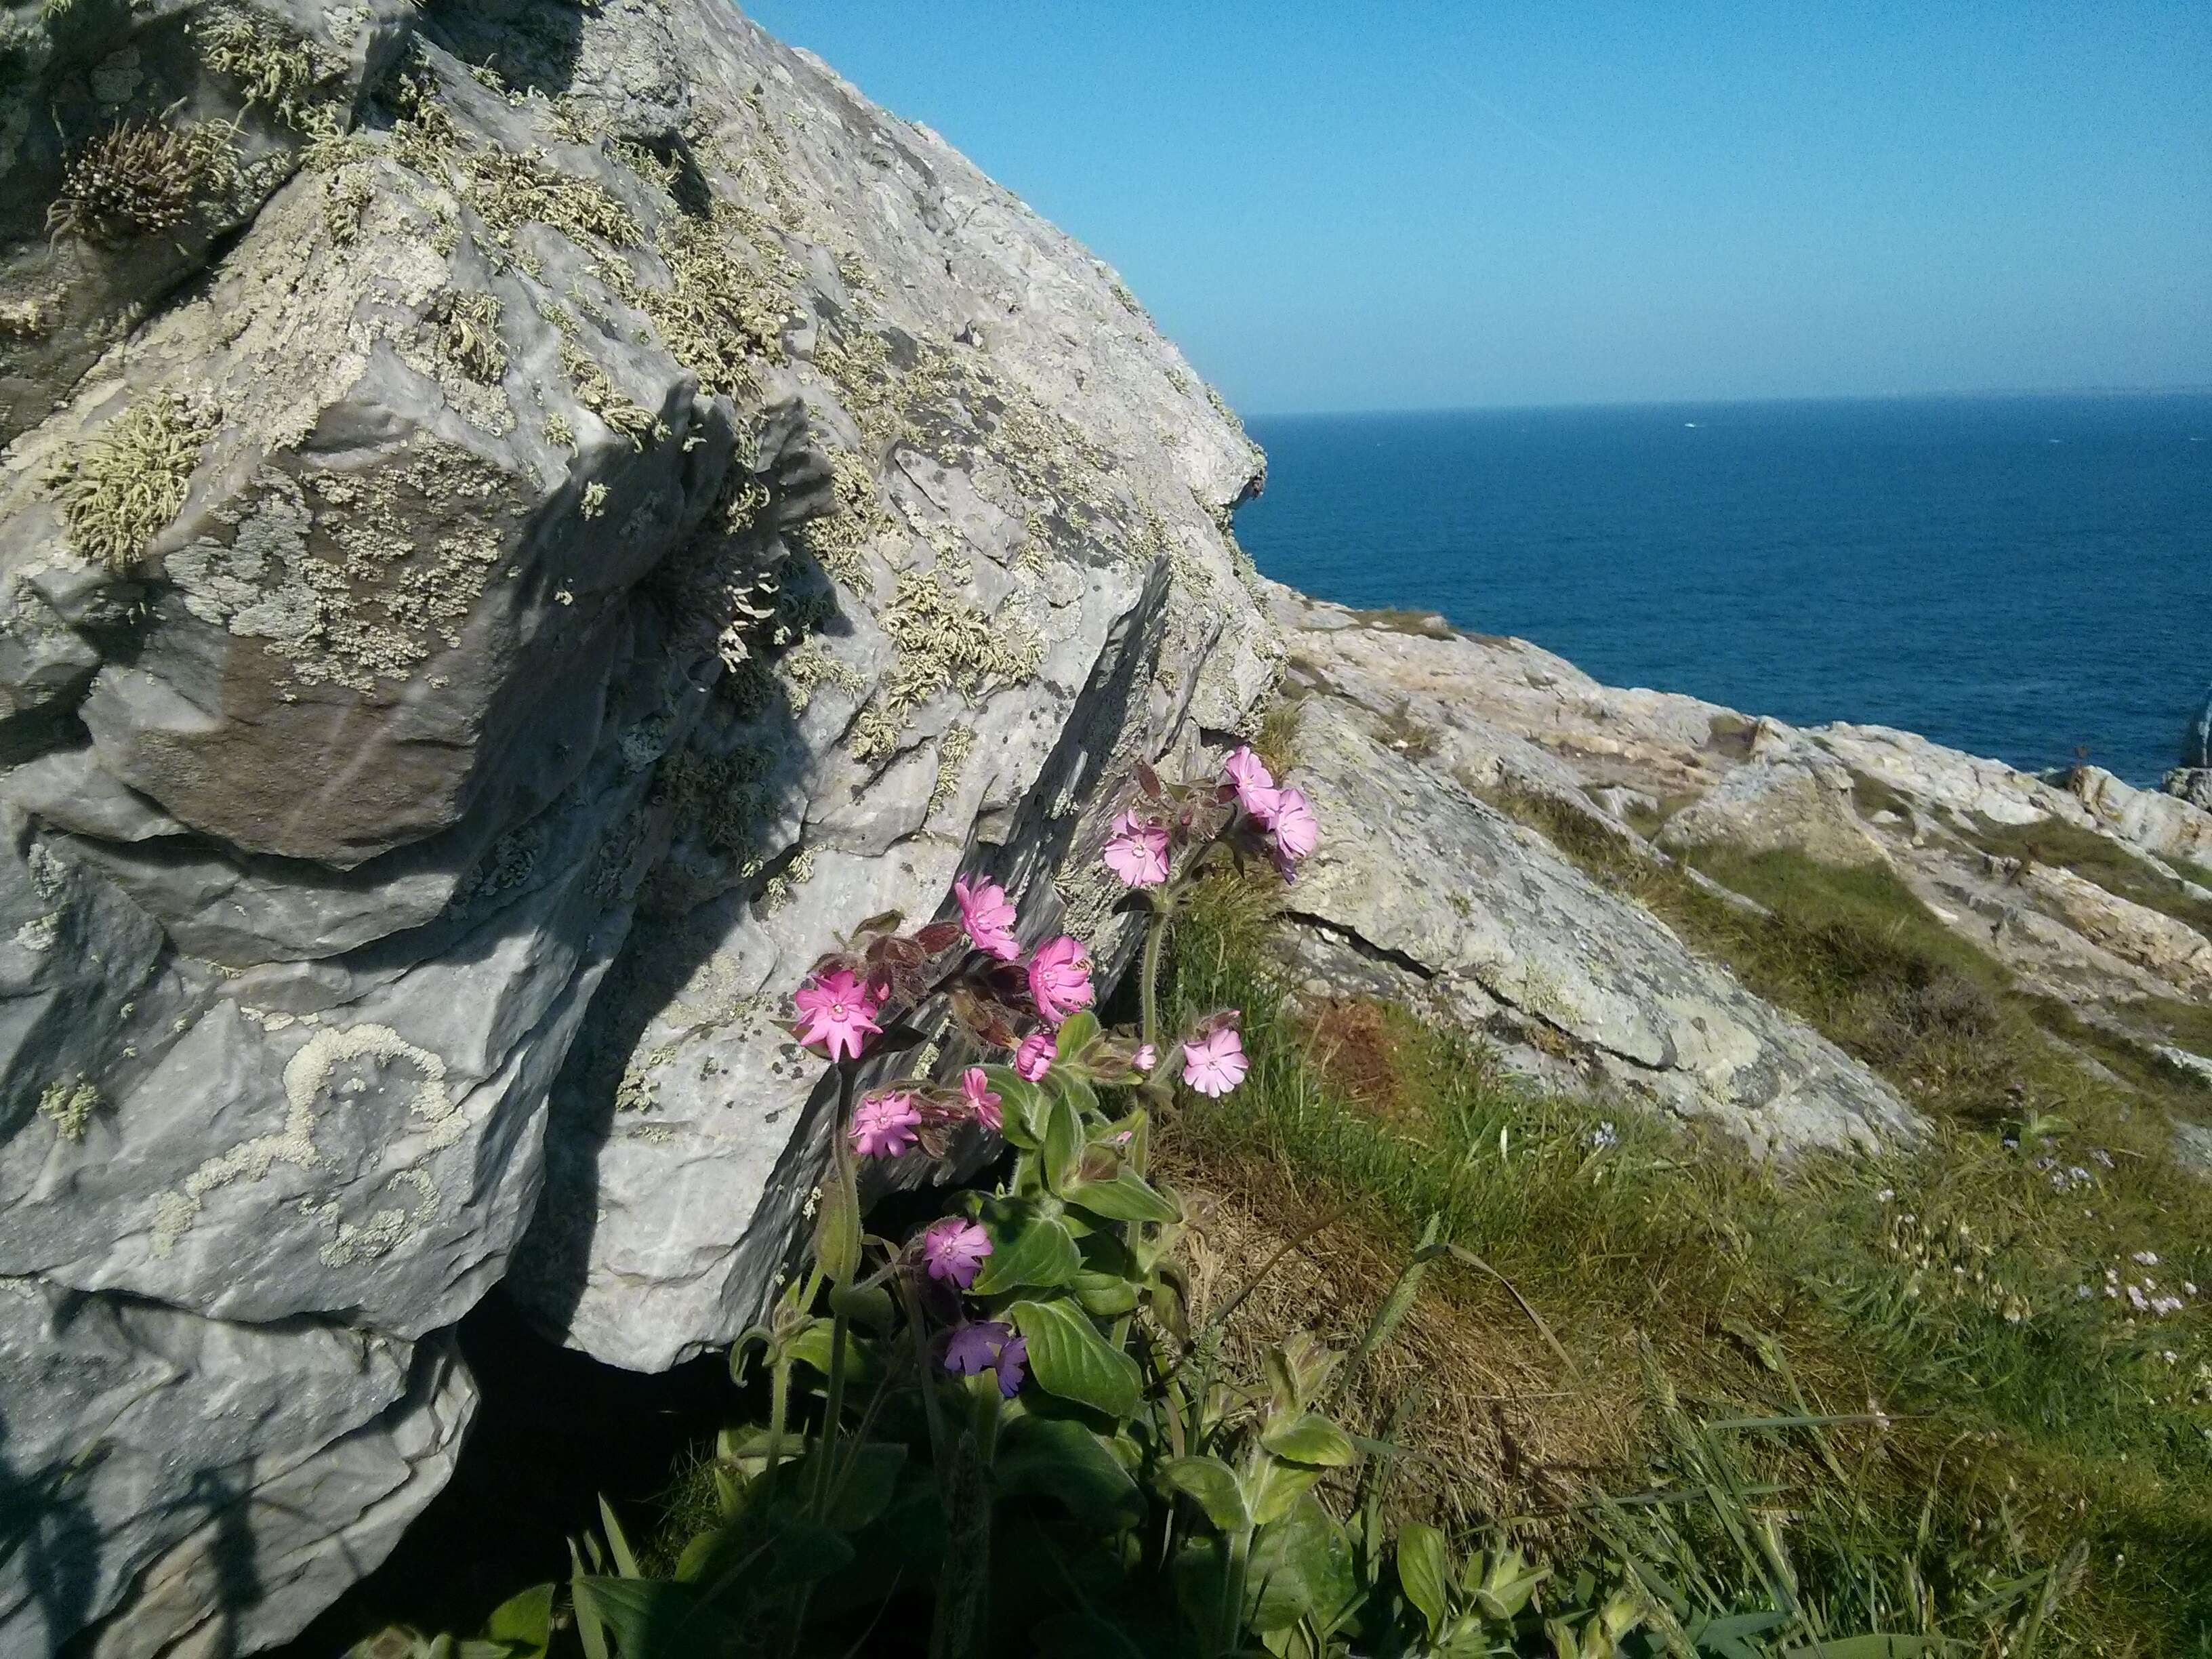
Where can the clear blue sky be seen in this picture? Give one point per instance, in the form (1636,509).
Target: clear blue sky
(1417,204)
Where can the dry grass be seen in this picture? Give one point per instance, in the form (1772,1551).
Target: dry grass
(1486,1425)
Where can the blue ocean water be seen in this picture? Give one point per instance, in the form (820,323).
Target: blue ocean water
(2026,578)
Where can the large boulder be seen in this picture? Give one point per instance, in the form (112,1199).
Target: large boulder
(1441,899)
(523,523)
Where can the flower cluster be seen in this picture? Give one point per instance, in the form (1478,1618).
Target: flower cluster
(1024,1007)
(1245,811)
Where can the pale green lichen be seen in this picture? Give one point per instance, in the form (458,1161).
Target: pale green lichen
(840,538)
(558,432)
(953,752)
(946,642)
(859,364)
(469,332)
(875,734)
(70,1107)
(347,197)
(355,588)
(779,889)
(31,317)
(595,388)
(308,1078)
(125,484)
(508,190)
(810,667)
(275,69)
(142,178)
(719,314)
(595,499)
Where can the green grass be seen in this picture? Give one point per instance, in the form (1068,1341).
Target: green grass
(2033,1428)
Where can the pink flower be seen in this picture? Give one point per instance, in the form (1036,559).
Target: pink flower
(988,917)
(1145,1058)
(840,1011)
(1138,851)
(1254,783)
(1060,979)
(884,1124)
(988,1345)
(1033,1058)
(980,1100)
(1215,1064)
(1297,832)
(955,1250)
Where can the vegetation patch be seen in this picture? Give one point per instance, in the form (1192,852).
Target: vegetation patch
(143,177)
(1965,1395)
(122,486)
(274,69)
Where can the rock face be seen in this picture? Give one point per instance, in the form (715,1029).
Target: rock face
(1992,850)
(1423,891)
(520,524)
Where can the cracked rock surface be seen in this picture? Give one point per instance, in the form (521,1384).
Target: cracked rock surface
(1439,720)
(520,524)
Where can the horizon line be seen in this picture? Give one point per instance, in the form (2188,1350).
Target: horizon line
(2193,390)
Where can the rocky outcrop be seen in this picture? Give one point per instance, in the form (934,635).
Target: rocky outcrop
(523,523)
(1422,891)
(1991,849)
(1445,902)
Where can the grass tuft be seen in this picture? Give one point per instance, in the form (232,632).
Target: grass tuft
(1917,1395)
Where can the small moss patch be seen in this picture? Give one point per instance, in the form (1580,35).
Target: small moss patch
(70,1106)
(125,484)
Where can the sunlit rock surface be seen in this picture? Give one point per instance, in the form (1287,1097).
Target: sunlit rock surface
(521,524)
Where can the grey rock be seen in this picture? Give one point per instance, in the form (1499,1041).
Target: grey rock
(183,1484)
(2190,783)
(638,509)
(1415,871)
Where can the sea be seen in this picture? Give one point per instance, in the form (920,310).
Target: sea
(2028,578)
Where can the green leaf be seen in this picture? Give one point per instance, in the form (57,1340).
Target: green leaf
(1279,1486)
(1730,1637)
(1424,1571)
(1311,1438)
(1126,1197)
(863,1483)
(1069,1358)
(838,1226)
(869,1306)
(1300,1568)
(1214,1485)
(617,1544)
(1062,1152)
(649,1616)
(813,1346)
(1076,1034)
(1108,1295)
(1874,1646)
(527,1618)
(1054,1457)
(1026,1249)
(1021,1104)
(1076,1091)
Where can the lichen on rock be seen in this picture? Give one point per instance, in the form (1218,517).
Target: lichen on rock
(124,485)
